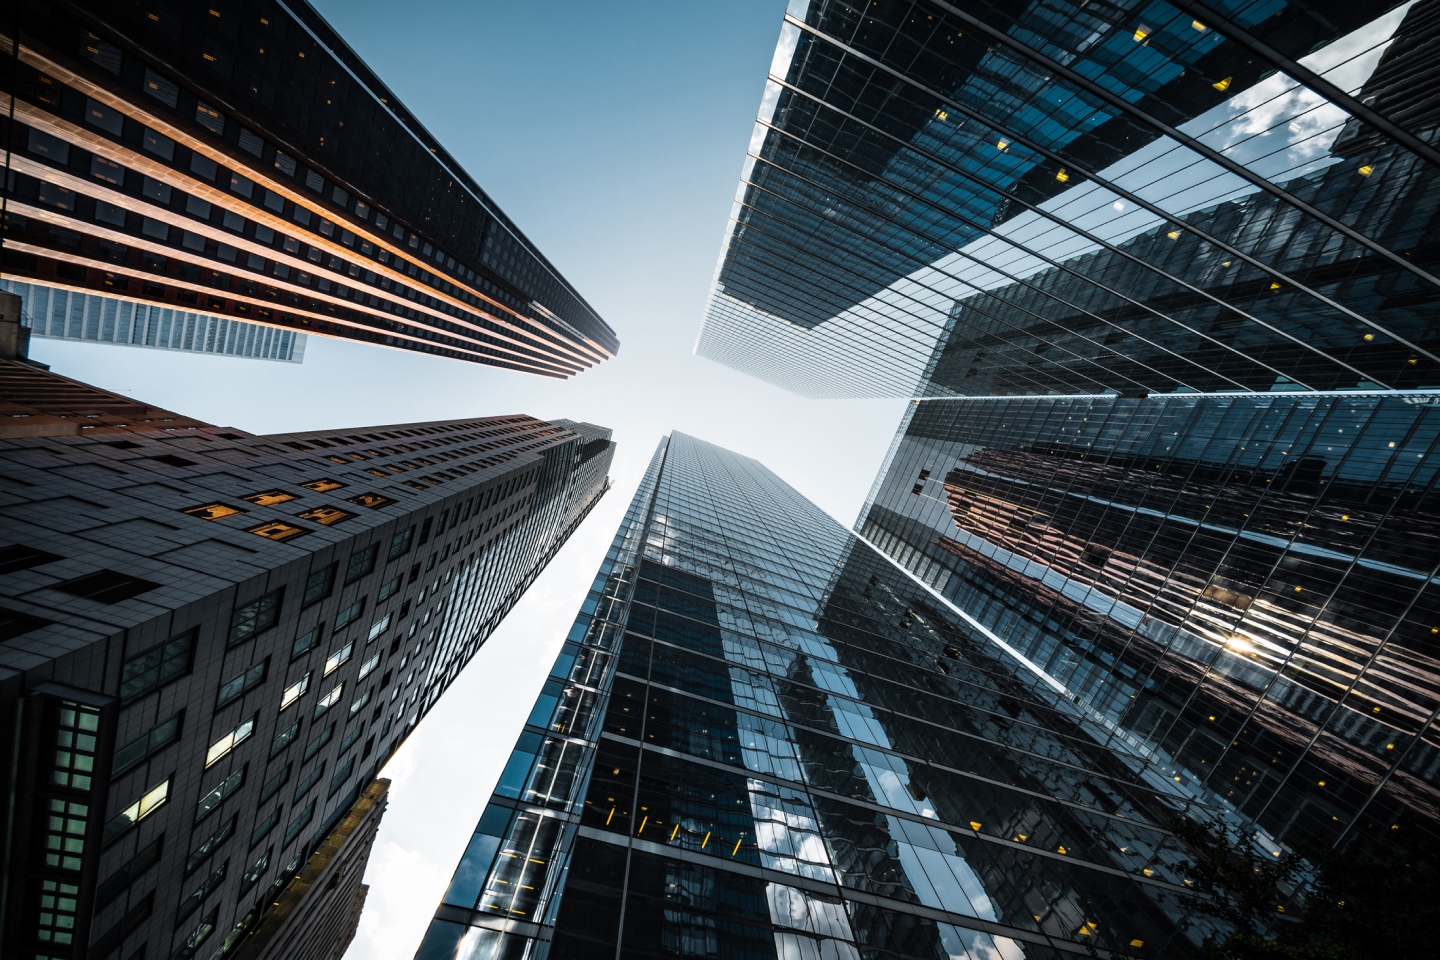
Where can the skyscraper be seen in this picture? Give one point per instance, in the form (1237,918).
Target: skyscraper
(1163,282)
(762,739)
(958,199)
(238,160)
(210,641)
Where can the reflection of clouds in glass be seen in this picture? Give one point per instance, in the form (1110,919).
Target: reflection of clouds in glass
(882,346)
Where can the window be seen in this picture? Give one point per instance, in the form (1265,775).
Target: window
(425,530)
(213,511)
(263,828)
(255,616)
(333,662)
(106,586)
(372,500)
(48,146)
(149,671)
(378,627)
(199,935)
(215,797)
(283,738)
(359,704)
(137,811)
(305,642)
(161,736)
(388,589)
(19,557)
(277,530)
(351,737)
(361,563)
(117,882)
(318,585)
(155,190)
(349,614)
(330,699)
(369,665)
(109,171)
(324,485)
(192,903)
(294,692)
(211,844)
(341,775)
(256,871)
(400,544)
(314,746)
(273,785)
(161,89)
(229,742)
(242,683)
(159,144)
(298,824)
(209,118)
(326,515)
(268,498)
(312,778)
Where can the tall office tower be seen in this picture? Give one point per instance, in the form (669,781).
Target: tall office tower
(210,641)
(762,739)
(962,199)
(1194,245)
(55,313)
(237,159)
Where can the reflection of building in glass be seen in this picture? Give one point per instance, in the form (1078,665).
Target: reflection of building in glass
(1249,586)
(244,163)
(211,641)
(57,314)
(942,200)
(763,739)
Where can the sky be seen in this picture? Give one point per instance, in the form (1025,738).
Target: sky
(613,135)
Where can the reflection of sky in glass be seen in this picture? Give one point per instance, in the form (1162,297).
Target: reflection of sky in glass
(882,346)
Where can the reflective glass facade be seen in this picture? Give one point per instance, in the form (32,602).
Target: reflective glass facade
(762,739)
(211,641)
(54,313)
(1246,587)
(237,159)
(977,199)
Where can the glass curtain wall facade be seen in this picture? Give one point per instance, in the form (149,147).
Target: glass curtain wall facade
(763,739)
(1247,586)
(239,160)
(54,313)
(211,641)
(971,199)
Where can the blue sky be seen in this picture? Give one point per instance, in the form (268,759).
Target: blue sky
(613,134)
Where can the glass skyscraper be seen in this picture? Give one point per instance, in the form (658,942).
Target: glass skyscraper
(238,160)
(968,199)
(762,739)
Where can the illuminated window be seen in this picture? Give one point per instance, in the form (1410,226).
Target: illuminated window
(213,511)
(330,699)
(325,516)
(110,172)
(378,627)
(372,500)
(269,498)
(338,658)
(323,486)
(161,89)
(277,530)
(228,742)
(209,118)
(334,459)
(368,666)
(294,692)
(148,803)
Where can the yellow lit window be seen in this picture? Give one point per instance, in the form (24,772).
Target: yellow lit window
(277,530)
(325,516)
(372,500)
(1197,25)
(941,115)
(1223,85)
(323,486)
(333,459)
(1173,234)
(269,498)
(212,511)
(1366,170)
(1141,32)
(1062,175)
